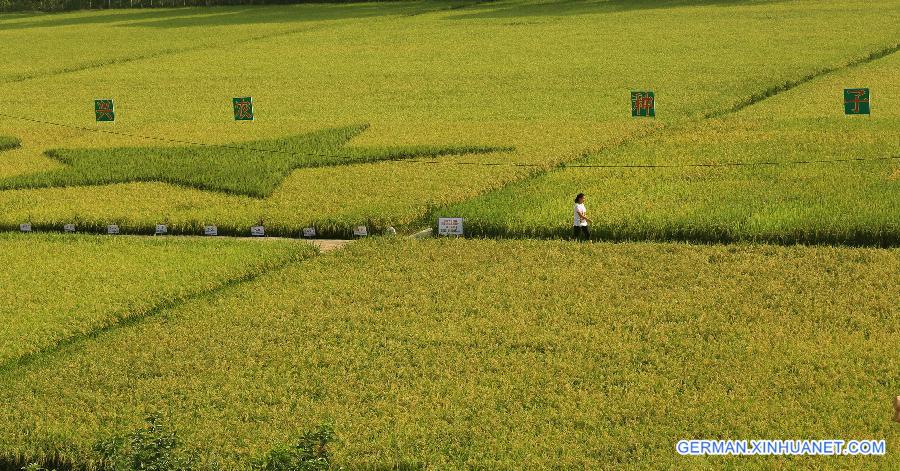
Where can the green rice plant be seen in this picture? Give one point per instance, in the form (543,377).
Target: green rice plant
(253,168)
(311,452)
(7,143)
(459,354)
(60,288)
(155,447)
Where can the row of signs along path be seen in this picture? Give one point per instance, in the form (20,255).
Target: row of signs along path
(643,105)
(210,230)
(446,227)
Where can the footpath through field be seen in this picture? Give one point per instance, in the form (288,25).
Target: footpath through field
(324,245)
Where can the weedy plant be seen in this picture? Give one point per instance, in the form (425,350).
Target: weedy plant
(155,447)
(311,452)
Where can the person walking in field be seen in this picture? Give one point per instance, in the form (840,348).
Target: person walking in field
(581,221)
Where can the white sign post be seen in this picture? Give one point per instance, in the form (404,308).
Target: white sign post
(360,231)
(210,230)
(112,229)
(25,227)
(69,228)
(161,229)
(257,231)
(309,232)
(450,226)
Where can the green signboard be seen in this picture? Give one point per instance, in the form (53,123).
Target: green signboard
(856,101)
(243,109)
(104,110)
(643,104)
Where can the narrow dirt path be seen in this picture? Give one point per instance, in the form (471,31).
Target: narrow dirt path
(324,245)
(327,245)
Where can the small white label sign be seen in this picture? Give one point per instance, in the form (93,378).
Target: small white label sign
(25,227)
(112,229)
(309,232)
(360,231)
(210,230)
(69,228)
(161,229)
(257,231)
(450,226)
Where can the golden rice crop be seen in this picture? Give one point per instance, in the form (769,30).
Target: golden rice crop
(457,354)
(551,82)
(815,175)
(56,287)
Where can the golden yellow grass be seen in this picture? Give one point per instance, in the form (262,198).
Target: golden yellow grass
(456,354)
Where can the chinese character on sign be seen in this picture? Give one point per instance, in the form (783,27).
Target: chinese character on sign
(450,226)
(104,110)
(856,101)
(243,109)
(643,104)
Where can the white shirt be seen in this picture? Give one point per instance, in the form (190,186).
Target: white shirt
(579,210)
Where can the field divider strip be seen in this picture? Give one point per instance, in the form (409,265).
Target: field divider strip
(174,51)
(159,54)
(708,165)
(451,7)
(791,84)
(130,320)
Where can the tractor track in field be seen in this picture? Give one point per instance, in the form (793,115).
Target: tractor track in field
(753,100)
(791,84)
(174,51)
(157,55)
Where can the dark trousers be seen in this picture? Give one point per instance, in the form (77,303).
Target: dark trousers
(581,232)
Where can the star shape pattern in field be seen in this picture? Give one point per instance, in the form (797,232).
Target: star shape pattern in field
(254,168)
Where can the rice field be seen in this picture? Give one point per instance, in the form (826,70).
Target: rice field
(804,172)
(481,76)
(695,313)
(426,354)
(59,287)
(252,168)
